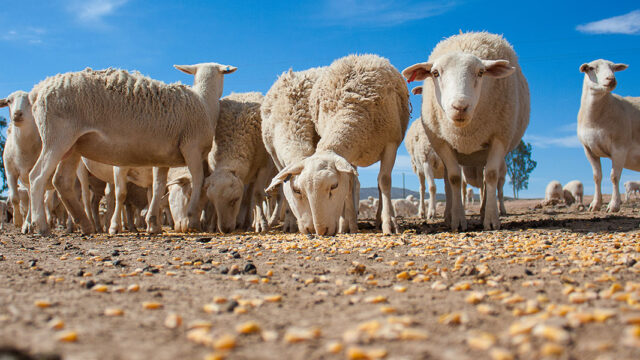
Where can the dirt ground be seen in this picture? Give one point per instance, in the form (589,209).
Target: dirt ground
(554,282)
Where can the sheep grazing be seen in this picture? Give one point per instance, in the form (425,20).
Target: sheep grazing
(553,193)
(475,109)
(360,108)
(238,158)
(124,119)
(573,192)
(608,126)
(469,196)
(289,134)
(426,164)
(631,188)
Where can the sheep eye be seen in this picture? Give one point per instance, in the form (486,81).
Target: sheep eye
(435,73)
(334,186)
(480,73)
(296,190)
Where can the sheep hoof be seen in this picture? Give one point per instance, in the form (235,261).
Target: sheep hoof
(613,207)
(42,230)
(113,230)
(594,206)
(458,223)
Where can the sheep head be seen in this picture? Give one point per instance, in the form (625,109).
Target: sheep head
(19,107)
(457,79)
(208,77)
(599,74)
(316,189)
(225,190)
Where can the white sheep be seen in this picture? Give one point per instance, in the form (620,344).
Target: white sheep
(475,109)
(631,188)
(608,126)
(553,192)
(360,108)
(238,158)
(124,119)
(469,196)
(575,189)
(404,208)
(425,163)
(366,209)
(289,133)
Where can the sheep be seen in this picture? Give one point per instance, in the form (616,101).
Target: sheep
(631,188)
(475,109)
(474,176)
(102,115)
(573,191)
(119,176)
(289,134)
(425,163)
(404,208)
(4,205)
(553,193)
(238,157)
(360,108)
(366,209)
(469,196)
(608,126)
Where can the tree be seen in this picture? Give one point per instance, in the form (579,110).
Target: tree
(3,140)
(519,166)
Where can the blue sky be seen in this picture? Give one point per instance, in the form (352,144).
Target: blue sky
(265,38)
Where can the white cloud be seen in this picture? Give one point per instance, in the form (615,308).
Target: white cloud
(623,24)
(382,12)
(569,141)
(30,35)
(93,12)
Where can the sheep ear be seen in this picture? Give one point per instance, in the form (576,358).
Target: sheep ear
(584,68)
(498,68)
(416,90)
(343,166)
(227,69)
(4,103)
(188,69)
(285,174)
(619,67)
(417,72)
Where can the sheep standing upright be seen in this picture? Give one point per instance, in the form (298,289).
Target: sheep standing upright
(631,188)
(360,108)
(426,164)
(475,109)
(608,126)
(238,158)
(124,119)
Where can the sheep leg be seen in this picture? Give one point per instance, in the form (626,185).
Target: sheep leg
(421,211)
(111,202)
(348,222)
(153,212)
(454,177)
(95,211)
(275,213)
(448,198)
(262,181)
(290,223)
(389,224)
(379,209)
(194,163)
(49,207)
(617,163)
(64,181)
(129,214)
(120,181)
(491,174)
(83,176)
(503,210)
(431,213)
(596,203)
(14,198)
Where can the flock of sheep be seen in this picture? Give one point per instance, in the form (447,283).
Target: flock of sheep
(184,156)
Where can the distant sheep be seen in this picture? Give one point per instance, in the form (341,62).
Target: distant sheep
(608,126)
(574,192)
(125,119)
(631,188)
(360,108)
(469,196)
(404,208)
(475,109)
(553,193)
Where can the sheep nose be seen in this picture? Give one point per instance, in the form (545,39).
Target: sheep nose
(17,114)
(322,230)
(460,105)
(308,229)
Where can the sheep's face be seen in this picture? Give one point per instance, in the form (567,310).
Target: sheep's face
(457,78)
(179,195)
(599,74)
(225,192)
(317,191)
(19,107)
